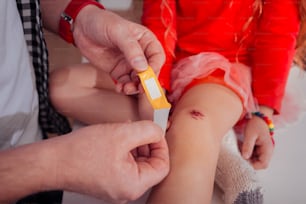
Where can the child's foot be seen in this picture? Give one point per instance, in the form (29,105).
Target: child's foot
(235,176)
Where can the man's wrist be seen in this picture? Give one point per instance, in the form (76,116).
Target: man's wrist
(27,169)
(69,15)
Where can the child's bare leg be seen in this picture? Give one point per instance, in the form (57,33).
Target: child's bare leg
(87,94)
(201,118)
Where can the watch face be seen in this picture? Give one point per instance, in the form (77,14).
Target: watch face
(67,18)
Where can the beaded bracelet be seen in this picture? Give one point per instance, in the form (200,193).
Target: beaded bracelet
(268,122)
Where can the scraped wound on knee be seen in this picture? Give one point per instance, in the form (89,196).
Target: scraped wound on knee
(196,115)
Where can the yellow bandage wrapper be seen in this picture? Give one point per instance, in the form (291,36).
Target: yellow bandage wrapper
(156,96)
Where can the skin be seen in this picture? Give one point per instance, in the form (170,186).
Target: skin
(257,146)
(206,132)
(194,138)
(87,94)
(103,45)
(90,160)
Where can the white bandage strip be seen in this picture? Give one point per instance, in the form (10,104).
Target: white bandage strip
(152,88)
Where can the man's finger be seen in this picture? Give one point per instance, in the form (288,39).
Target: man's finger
(156,167)
(154,51)
(136,134)
(133,52)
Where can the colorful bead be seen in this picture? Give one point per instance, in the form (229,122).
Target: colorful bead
(268,122)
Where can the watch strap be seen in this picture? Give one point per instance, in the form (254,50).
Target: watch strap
(69,15)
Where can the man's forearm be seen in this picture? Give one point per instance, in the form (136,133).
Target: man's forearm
(51,11)
(26,170)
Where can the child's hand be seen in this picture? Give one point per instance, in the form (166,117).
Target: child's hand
(257,146)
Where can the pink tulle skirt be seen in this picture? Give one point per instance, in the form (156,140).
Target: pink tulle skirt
(235,76)
(294,101)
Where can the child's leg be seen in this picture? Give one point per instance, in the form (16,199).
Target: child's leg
(201,118)
(87,94)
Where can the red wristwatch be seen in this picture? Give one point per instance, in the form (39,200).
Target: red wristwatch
(69,15)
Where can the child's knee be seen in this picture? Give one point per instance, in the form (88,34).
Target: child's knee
(58,82)
(192,113)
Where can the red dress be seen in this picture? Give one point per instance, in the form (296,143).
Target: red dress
(266,44)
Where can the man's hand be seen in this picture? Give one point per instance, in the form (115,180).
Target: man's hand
(98,160)
(117,46)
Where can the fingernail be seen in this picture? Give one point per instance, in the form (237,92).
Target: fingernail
(118,89)
(140,63)
(132,92)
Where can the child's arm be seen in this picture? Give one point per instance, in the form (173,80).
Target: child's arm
(274,50)
(160,17)
(272,57)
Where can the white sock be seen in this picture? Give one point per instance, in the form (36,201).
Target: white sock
(235,176)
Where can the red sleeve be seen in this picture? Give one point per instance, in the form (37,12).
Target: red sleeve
(160,18)
(274,50)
